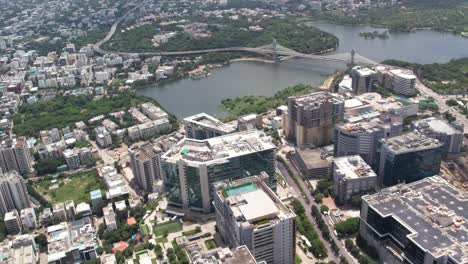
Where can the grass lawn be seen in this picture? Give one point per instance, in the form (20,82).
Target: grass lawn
(161,240)
(191,232)
(210,244)
(167,228)
(144,229)
(74,187)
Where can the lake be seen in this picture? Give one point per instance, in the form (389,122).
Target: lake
(187,97)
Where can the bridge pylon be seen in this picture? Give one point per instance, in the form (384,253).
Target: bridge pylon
(274,45)
(352,56)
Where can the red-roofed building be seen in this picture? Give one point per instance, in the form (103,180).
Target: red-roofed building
(131,221)
(120,246)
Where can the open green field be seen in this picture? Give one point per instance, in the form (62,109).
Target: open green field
(210,244)
(74,187)
(167,228)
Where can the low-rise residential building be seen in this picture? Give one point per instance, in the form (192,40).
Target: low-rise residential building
(149,129)
(153,112)
(109,217)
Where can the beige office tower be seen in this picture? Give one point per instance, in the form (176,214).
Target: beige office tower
(312,117)
(145,164)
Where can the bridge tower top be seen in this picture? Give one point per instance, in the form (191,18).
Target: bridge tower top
(352,56)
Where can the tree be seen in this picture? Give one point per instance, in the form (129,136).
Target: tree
(318,198)
(348,228)
(159,252)
(46,166)
(324,208)
(41,240)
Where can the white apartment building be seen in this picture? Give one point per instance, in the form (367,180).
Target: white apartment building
(109,217)
(28,218)
(153,112)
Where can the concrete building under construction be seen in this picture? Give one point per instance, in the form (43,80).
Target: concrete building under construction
(312,118)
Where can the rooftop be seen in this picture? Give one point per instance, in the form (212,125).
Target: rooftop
(363,71)
(252,201)
(239,255)
(369,125)
(206,120)
(312,158)
(433,210)
(409,142)
(219,148)
(353,167)
(316,99)
(405,74)
(435,125)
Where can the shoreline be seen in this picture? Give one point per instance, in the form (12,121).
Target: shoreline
(387,27)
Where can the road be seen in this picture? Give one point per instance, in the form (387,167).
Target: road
(97,46)
(307,207)
(441,101)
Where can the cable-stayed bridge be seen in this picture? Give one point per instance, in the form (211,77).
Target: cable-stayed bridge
(273,49)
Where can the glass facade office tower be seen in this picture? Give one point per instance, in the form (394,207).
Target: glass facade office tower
(407,158)
(419,223)
(190,167)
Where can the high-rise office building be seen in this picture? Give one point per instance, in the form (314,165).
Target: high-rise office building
(203,126)
(190,167)
(423,222)
(401,82)
(15,155)
(145,164)
(407,158)
(312,117)
(361,136)
(451,137)
(352,175)
(363,79)
(249,213)
(13,192)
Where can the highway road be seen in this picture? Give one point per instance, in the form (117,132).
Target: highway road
(441,102)
(307,207)
(97,46)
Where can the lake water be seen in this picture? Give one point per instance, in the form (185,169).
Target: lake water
(186,97)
